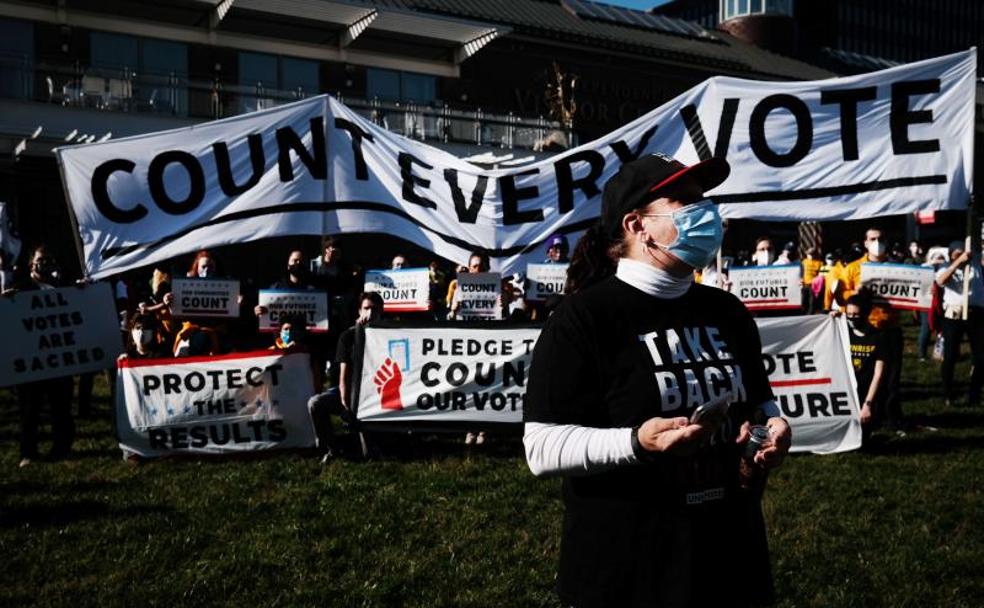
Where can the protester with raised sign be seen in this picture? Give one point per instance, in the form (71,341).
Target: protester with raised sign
(868,358)
(628,397)
(44,273)
(955,323)
(883,317)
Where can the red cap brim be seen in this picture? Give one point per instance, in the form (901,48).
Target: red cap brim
(709,173)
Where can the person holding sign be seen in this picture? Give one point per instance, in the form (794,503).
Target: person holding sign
(955,324)
(867,358)
(44,274)
(642,393)
(884,318)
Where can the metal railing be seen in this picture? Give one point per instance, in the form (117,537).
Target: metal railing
(124,90)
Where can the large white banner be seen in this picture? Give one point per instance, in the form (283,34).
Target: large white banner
(214,405)
(904,286)
(449,374)
(895,141)
(809,363)
(50,333)
(445,374)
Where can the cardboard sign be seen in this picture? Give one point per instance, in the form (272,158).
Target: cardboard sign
(479,295)
(213,405)
(768,287)
(445,374)
(50,333)
(283,303)
(403,290)
(904,286)
(205,298)
(545,280)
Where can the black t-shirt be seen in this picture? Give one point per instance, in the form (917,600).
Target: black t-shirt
(865,351)
(671,531)
(346,343)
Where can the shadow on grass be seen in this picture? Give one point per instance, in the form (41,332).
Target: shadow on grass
(69,512)
(924,442)
(952,419)
(24,487)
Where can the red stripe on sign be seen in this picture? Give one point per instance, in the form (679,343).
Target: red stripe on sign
(910,300)
(203,359)
(764,301)
(775,307)
(405,308)
(806,382)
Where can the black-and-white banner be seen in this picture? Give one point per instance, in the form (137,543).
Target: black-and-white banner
(214,405)
(450,374)
(895,141)
(50,333)
(809,363)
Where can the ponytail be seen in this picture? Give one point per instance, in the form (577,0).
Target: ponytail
(593,260)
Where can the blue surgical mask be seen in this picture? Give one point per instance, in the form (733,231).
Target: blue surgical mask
(699,233)
(285,336)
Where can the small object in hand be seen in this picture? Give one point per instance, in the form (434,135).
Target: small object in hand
(748,471)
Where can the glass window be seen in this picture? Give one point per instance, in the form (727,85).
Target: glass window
(756,6)
(161,57)
(384,84)
(114,51)
(731,9)
(256,69)
(742,6)
(16,58)
(420,88)
(299,74)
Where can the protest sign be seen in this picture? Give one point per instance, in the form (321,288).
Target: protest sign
(479,295)
(809,363)
(402,290)
(49,333)
(904,286)
(890,142)
(545,280)
(312,304)
(452,374)
(444,374)
(205,298)
(214,405)
(768,287)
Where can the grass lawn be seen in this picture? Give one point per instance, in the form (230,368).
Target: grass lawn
(900,524)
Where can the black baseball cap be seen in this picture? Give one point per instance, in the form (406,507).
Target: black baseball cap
(640,181)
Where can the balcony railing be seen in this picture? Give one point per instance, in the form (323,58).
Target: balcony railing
(124,90)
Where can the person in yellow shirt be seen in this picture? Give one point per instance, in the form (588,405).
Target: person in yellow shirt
(883,318)
(811,268)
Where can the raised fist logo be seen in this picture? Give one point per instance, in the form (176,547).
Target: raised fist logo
(388,379)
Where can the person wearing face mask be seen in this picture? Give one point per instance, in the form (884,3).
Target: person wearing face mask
(764,253)
(143,339)
(884,318)
(867,357)
(336,400)
(955,324)
(43,272)
(655,511)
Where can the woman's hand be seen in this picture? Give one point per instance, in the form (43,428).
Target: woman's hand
(773,452)
(672,435)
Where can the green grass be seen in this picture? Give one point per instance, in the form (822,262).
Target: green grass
(901,524)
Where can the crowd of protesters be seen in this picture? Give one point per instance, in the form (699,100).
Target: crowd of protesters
(830,282)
